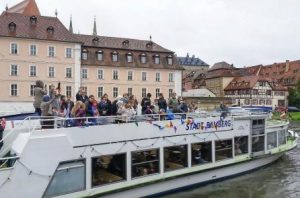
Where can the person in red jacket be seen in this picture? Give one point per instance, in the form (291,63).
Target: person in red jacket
(2,127)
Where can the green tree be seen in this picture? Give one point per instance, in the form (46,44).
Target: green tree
(294,95)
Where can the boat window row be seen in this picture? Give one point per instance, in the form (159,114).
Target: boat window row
(70,176)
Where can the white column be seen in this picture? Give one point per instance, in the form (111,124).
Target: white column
(189,147)
(161,159)
(77,67)
(178,82)
(88,168)
(129,165)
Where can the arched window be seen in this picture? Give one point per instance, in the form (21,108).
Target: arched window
(156,59)
(50,30)
(84,54)
(170,60)
(12,27)
(115,56)
(129,57)
(143,58)
(99,55)
(33,20)
(125,43)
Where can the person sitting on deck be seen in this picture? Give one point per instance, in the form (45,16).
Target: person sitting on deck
(78,111)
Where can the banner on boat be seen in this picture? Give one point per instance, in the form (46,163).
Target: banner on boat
(209,124)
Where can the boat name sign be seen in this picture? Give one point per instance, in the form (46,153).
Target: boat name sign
(211,124)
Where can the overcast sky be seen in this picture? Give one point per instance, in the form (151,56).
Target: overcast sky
(240,32)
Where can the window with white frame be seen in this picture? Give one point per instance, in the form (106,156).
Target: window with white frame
(84,73)
(31,92)
(32,70)
(170,93)
(51,72)
(170,60)
(144,76)
(14,48)
(156,59)
(115,92)
(129,58)
(68,91)
(100,74)
(157,92)
(144,92)
(100,92)
(115,56)
(143,58)
(84,54)
(32,50)
(68,52)
(115,75)
(14,90)
(171,77)
(68,72)
(14,70)
(99,55)
(130,75)
(157,76)
(51,51)
(129,91)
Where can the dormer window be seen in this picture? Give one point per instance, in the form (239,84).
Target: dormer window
(12,27)
(33,20)
(84,54)
(114,56)
(143,58)
(99,55)
(170,60)
(125,43)
(149,45)
(156,59)
(50,30)
(96,40)
(129,58)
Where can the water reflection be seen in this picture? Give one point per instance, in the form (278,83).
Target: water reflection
(281,179)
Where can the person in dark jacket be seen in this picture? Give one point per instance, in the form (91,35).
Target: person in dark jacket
(91,107)
(81,95)
(162,103)
(146,103)
(104,106)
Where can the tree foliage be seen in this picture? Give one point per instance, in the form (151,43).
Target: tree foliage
(294,95)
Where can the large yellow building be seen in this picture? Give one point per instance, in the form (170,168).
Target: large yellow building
(35,47)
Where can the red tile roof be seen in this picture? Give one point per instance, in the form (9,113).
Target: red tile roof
(120,43)
(24,29)
(27,7)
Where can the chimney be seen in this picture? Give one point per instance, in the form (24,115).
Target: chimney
(287,65)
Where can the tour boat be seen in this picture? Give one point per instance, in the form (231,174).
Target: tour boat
(147,155)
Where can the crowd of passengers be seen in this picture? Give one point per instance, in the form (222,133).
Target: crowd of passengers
(52,103)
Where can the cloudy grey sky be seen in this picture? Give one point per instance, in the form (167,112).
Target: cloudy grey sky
(241,32)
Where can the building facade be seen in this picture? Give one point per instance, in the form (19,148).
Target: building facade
(35,47)
(116,66)
(256,91)
(191,63)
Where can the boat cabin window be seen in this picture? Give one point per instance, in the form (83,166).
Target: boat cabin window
(223,149)
(258,143)
(175,157)
(281,137)
(272,140)
(240,145)
(108,169)
(258,135)
(201,153)
(69,177)
(258,123)
(145,162)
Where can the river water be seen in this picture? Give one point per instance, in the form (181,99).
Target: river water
(279,180)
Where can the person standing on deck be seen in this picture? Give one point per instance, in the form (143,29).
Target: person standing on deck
(2,127)
(39,92)
(146,103)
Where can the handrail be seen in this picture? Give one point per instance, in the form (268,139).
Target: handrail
(8,161)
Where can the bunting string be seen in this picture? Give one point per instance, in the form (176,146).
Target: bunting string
(147,146)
